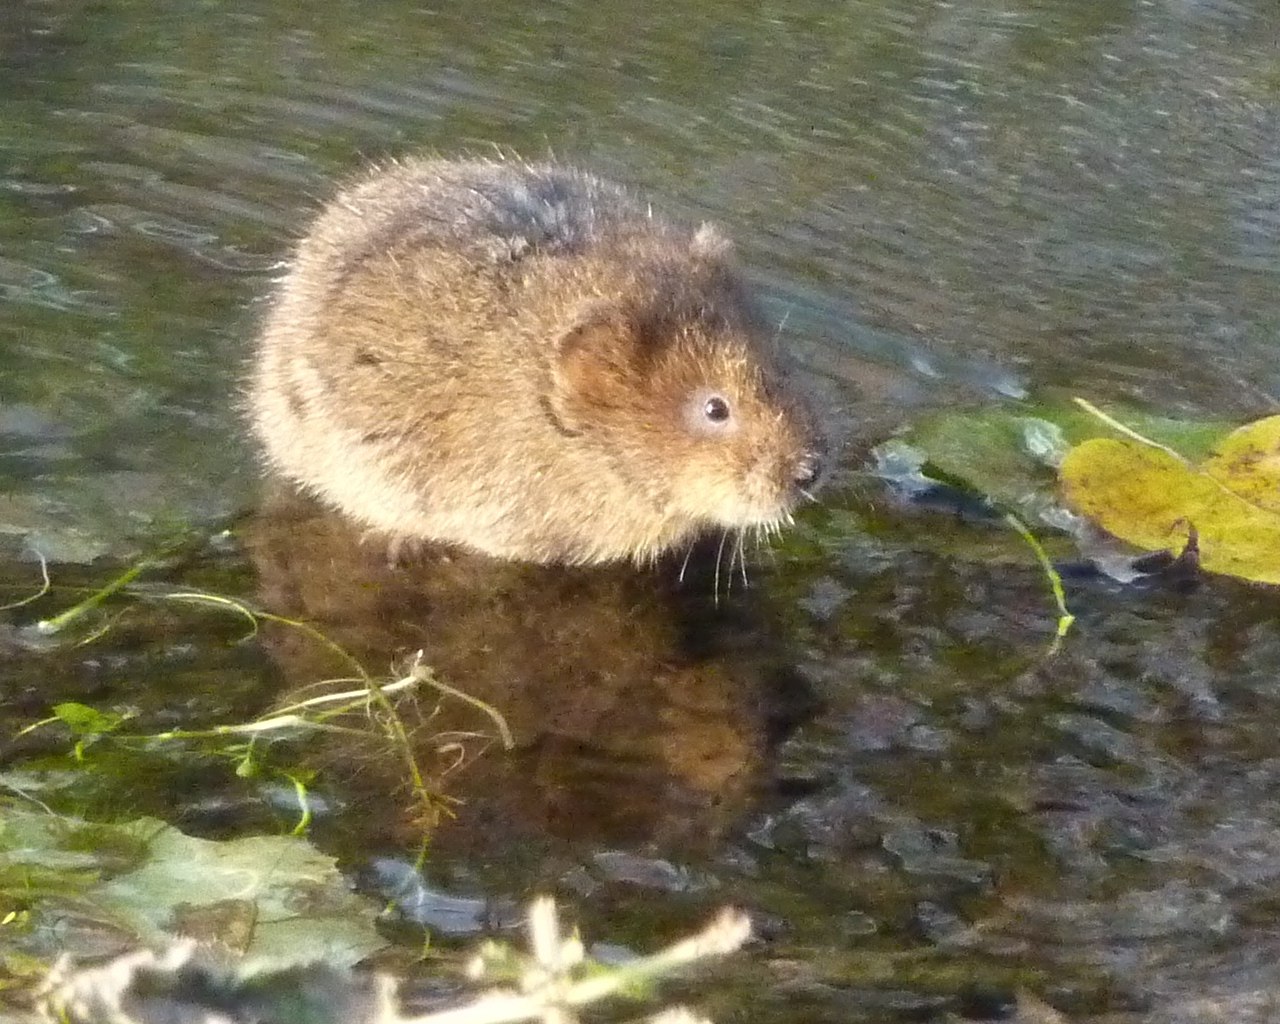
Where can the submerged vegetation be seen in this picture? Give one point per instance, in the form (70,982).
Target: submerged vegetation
(360,705)
(141,881)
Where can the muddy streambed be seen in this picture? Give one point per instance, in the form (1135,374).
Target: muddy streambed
(952,208)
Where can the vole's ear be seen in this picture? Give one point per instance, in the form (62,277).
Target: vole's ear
(710,243)
(591,365)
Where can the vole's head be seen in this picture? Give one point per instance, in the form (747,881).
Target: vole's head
(675,382)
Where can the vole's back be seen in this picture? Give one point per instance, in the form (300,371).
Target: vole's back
(486,209)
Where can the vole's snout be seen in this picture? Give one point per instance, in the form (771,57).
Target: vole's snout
(808,470)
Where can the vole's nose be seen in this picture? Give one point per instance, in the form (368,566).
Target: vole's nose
(808,470)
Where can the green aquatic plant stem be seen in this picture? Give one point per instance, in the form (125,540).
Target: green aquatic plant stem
(255,616)
(304,804)
(44,587)
(1065,616)
(274,723)
(348,699)
(59,622)
(420,673)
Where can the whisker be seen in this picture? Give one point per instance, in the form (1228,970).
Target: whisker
(688,553)
(715,586)
(742,560)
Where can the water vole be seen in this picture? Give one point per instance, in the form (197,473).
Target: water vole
(523,359)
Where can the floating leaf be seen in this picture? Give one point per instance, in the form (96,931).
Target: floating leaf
(277,896)
(1247,462)
(272,897)
(1154,500)
(1002,452)
(986,452)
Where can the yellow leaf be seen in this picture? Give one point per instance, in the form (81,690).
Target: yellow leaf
(1152,499)
(1247,461)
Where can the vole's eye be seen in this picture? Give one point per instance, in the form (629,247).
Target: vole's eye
(709,413)
(716,409)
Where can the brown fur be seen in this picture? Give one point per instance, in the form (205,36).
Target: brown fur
(517,358)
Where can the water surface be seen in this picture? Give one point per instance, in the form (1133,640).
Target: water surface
(946,204)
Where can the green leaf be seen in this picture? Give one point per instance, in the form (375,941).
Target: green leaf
(86,721)
(1003,452)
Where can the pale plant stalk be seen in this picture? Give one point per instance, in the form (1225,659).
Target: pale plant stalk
(551,994)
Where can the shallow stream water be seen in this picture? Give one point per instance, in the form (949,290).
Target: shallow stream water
(960,204)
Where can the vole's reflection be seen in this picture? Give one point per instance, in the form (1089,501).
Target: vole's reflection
(641,709)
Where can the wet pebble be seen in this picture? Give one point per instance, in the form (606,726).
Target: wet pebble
(880,723)
(825,598)
(441,912)
(1101,739)
(934,853)
(1177,908)
(647,872)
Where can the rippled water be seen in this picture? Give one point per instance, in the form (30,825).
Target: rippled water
(946,203)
